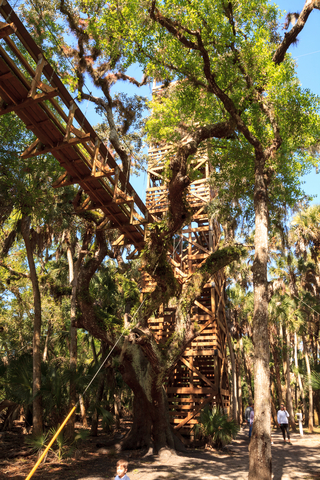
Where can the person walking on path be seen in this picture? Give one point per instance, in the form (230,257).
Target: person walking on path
(251,421)
(247,414)
(282,419)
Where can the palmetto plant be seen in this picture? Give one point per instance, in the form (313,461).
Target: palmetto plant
(216,427)
(315,380)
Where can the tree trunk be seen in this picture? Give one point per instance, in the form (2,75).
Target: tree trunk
(301,390)
(151,424)
(36,368)
(95,416)
(73,279)
(234,397)
(273,407)
(248,376)
(289,395)
(276,360)
(310,413)
(83,411)
(240,409)
(260,445)
(284,360)
(46,345)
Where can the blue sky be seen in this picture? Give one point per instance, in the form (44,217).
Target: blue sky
(307,57)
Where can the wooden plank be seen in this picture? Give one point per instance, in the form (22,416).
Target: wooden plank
(119,240)
(36,79)
(193,390)
(7,29)
(204,308)
(29,102)
(194,412)
(72,111)
(60,146)
(197,372)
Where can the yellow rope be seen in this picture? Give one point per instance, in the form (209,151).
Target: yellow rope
(50,443)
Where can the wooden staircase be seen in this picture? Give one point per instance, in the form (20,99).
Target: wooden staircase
(200,377)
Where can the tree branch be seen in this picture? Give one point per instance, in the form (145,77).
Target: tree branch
(13,272)
(290,37)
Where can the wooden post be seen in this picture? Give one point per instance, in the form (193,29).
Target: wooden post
(72,110)
(36,79)
(95,156)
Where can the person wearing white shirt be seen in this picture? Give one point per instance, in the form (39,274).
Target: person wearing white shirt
(282,419)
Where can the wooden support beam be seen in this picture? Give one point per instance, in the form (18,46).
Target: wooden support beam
(132,254)
(72,111)
(36,79)
(197,372)
(209,312)
(176,266)
(116,179)
(94,206)
(29,101)
(95,156)
(48,149)
(119,241)
(62,180)
(71,180)
(195,411)
(103,223)
(196,244)
(7,29)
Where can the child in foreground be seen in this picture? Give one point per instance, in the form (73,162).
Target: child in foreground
(122,468)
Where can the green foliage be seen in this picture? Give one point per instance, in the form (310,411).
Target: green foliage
(107,417)
(39,443)
(216,427)
(18,380)
(315,380)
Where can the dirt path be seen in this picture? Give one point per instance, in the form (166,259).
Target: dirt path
(299,461)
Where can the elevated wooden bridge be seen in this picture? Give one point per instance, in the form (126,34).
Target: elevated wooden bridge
(31,89)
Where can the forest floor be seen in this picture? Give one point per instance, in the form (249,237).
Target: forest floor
(301,460)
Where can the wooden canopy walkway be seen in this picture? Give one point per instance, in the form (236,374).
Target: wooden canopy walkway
(30,88)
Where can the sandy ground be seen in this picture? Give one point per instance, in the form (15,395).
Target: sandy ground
(301,460)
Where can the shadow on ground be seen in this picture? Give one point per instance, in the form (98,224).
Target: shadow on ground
(299,461)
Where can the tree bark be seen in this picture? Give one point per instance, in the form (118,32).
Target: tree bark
(273,407)
(301,390)
(234,392)
(36,368)
(276,360)
(151,423)
(83,411)
(46,345)
(73,279)
(310,413)
(260,445)
(95,416)
(240,408)
(248,376)
(289,395)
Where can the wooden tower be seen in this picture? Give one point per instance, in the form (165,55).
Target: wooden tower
(200,376)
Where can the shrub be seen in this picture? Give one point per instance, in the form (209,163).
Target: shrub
(216,427)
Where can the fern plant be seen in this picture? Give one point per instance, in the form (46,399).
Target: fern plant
(216,427)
